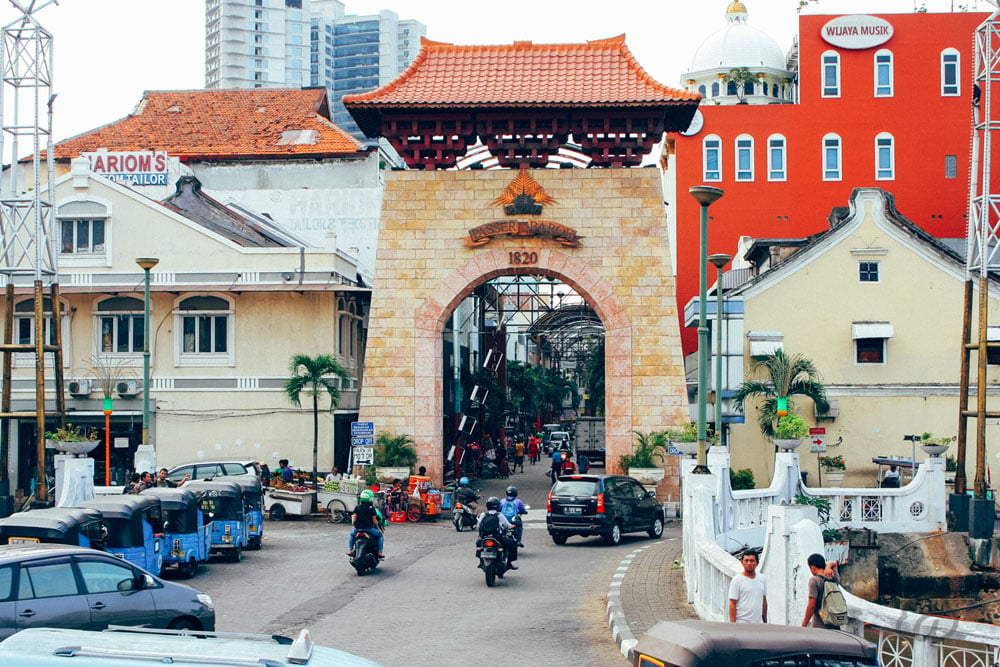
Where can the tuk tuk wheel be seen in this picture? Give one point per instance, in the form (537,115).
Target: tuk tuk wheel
(236,554)
(338,511)
(254,543)
(413,512)
(277,512)
(187,569)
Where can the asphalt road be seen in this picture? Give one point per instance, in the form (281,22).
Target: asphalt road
(427,604)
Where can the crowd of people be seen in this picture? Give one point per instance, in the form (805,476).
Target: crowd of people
(140,481)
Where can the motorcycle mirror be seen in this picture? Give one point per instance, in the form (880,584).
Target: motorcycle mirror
(527,507)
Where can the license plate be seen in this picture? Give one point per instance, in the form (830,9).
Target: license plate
(573,510)
(22,540)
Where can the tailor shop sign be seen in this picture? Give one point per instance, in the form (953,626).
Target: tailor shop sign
(131,168)
(857,31)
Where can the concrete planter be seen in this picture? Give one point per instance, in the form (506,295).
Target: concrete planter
(389,473)
(833,478)
(787,445)
(647,476)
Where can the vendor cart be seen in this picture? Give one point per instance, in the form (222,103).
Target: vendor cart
(341,497)
(422,502)
(280,503)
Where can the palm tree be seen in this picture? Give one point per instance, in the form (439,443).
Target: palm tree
(786,377)
(313,374)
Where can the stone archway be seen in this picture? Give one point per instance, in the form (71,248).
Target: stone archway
(424,268)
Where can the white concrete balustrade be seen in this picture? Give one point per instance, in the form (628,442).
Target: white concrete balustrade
(719,521)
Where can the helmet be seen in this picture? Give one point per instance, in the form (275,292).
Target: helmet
(512,491)
(493,503)
(367,496)
(464,481)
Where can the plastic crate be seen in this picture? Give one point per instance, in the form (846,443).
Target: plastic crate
(397,517)
(446,499)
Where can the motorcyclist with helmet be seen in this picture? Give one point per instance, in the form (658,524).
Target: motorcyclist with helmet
(367,519)
(494,524)
(465,495)
(512,508)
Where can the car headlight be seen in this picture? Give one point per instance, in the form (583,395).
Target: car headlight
(206,600)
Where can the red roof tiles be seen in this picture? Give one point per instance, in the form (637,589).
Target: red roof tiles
(207,124)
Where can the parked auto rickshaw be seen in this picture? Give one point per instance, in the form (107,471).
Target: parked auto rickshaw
(222,501)
(135,528)
(78,526)
(187,532)
(253,499)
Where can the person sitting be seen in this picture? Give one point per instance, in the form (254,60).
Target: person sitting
(334,475)
(891,479)
(395,496)
(369,520)
(494,524)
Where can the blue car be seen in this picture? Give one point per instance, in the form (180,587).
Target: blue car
(135,528)
(186,530)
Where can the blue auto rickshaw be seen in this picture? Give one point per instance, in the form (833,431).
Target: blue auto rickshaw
(55,525)
(135,528)
(222,501)
(187,532)
(253,501)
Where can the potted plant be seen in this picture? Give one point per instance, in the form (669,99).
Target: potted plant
(646,459)
(71,439)
(833,469)
(394,456)
(685,438)
(934,446)
(789,432)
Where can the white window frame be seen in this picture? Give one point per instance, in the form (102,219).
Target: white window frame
(858,362)
(349,322)
(27,359)
(183,358)
(885,146)
(831,174)
(951,67)
(743,148)
(132,357)
(90,209)
(773,173)
(829,60)
(716,174)
(886,63)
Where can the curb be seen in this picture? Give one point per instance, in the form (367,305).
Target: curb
(620,631)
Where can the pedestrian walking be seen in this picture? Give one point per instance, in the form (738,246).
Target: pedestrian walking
(533,449)
(748,593)
(518,456)
(817,582)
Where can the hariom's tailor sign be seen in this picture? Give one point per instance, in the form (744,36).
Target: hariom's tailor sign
(132,167)
(857,31)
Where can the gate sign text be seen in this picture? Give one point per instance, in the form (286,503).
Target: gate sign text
(130,167)
(857,31)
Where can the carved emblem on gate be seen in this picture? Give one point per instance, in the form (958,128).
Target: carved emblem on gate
(524,196)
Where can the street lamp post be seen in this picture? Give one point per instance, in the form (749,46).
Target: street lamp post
(705,195)
(718,261)
(146,264)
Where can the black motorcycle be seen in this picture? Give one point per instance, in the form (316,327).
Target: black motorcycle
(463,517)
(492,559)
(364,558)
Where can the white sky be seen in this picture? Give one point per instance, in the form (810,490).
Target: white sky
(107,52)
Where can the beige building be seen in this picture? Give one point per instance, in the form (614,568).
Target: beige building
(233,297)
(877,305)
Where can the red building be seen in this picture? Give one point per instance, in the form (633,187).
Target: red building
(882,101)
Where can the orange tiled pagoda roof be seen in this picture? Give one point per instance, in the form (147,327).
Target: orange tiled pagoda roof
(221,124)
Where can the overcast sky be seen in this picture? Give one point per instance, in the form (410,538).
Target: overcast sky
(107,52)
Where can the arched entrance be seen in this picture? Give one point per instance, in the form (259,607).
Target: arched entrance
(441,237)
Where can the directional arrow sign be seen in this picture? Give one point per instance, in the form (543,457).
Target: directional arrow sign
(364,456)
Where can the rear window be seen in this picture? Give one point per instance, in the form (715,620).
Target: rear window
(234,468)
(575,487)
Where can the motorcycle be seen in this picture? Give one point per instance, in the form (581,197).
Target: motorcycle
(463,517)
(364,558)
(492,559)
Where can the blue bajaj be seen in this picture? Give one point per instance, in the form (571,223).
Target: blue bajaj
(55,525)
(135,528)
(186,529)
(222,501)
(253,502)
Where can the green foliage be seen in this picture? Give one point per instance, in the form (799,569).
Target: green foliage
(648,449)
(593,377)
(740,480)
(784,377)
(312,375)
(71,433)
(686,433)
(740,76)
(832,462)
(791,427)
(394,450)
(950,464)
(929,439)
(370,475)
(536,393)
(823,508)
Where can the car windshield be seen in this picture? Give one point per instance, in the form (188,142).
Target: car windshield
(575,487)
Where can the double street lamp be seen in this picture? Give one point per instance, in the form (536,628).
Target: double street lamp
(146,264)
(705,195)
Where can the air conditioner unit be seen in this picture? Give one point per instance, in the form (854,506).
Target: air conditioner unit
(832,413)
(127,388)
(78,387)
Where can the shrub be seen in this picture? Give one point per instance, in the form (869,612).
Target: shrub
(741,480)
(791,427)
(832,462)
(649,448)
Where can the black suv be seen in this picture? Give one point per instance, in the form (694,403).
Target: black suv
(606,505)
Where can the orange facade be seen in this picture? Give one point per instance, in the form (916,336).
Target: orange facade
(910,135)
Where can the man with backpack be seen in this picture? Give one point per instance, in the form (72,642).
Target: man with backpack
(494,524)
(512,508)
(827,607)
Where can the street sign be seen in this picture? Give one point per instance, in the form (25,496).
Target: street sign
(362,441)
(817,440)
(362,428)
(364,456)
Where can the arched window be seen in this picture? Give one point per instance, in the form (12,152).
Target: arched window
(883,73)
(83,230)
(949,72)
(744,158)
(715,89)
(349,332)
(885,157)
(702,90)
(831,74)
(777,169)
(766,89)
(832,158)
(204,331)
(120,322)
(748,88)
(24,330)
(731,88)
(712,158)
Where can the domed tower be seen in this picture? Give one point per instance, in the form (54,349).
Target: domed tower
(717,67)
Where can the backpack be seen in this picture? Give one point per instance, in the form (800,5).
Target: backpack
(509,509)
(489,525)
(833,609)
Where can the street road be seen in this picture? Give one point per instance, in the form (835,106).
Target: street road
(427,604)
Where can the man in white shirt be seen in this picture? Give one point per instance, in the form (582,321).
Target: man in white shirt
(748,593)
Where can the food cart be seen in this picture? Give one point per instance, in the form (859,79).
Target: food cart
(280,503)
(340,498)
(421,500)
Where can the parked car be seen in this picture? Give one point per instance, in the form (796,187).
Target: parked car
(212,469)
(134,646)
(55,585)
(605,505)
(695,643)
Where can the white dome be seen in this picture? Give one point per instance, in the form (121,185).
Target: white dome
(738,45)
